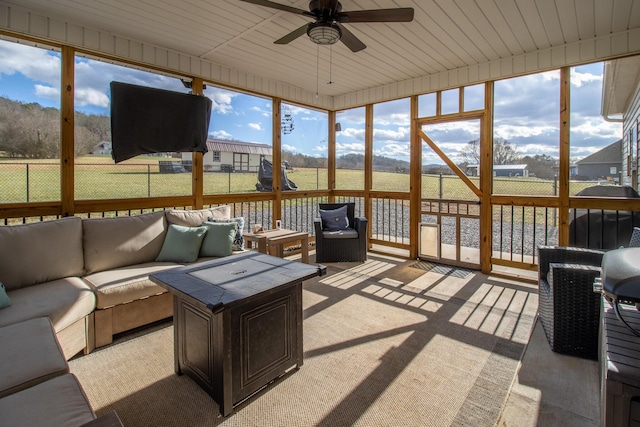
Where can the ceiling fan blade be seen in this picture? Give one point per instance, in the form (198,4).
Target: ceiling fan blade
(350,40)
(292,35)
(274,5)
(402,14)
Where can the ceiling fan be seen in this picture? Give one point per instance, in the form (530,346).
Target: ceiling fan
(329,17)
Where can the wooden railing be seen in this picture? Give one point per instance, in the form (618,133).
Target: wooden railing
(518,228)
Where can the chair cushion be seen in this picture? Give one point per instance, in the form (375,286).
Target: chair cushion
(335,219)
(182,244)
(348,233)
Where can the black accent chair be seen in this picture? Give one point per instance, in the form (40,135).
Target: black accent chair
(568,307)
(349,245)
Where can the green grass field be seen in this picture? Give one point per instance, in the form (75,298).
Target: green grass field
(97,177)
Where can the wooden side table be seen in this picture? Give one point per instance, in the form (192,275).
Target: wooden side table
(272,242)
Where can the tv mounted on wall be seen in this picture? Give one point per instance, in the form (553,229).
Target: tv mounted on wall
(146,120)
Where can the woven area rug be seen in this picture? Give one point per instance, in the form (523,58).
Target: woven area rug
(385,345)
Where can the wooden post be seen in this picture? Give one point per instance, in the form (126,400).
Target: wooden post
(67,132)
(277,161)
(486,178)
(197,158)
(368,167)
(415,182)
(563,170)
(331,163)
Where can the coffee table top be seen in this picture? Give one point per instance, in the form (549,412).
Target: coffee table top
(276,232)
(220,283)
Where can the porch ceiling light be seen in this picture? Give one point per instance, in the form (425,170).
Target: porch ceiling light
(324,32)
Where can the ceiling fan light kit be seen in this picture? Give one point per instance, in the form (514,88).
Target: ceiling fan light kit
(324,33)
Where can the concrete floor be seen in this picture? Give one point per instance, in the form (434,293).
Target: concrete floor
(550,389)
(553,389)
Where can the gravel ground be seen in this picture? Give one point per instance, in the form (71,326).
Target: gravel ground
(393,220)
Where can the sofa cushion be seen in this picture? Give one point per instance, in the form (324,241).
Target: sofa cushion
(64,301)
(57,402)
(195,218)
(30,354)
(125,284)
(40,252)
(219,239)
(118,242)
(182,244)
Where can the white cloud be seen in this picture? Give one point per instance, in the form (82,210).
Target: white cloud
(401,134)
(220,134)
(289,148)
(351,148)
(91,96)
(34,63)
(255,126)
(221,99)
(579,79)
(47,91)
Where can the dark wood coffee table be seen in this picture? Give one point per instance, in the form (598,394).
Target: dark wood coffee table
(237,322)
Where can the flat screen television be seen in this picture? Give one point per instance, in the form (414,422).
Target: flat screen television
(147,120)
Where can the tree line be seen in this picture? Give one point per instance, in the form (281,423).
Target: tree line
(504,153)
(31,131)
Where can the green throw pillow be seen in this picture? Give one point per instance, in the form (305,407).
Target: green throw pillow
(182,244)
(219,238)
(4,298)
(238,241)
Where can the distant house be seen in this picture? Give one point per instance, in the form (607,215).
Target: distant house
(621,103)
(603,164)
(103,148)
(233,156)
(502,170)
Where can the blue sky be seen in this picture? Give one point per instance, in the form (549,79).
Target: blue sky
(526,111)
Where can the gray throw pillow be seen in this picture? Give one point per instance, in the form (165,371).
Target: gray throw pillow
(335,219)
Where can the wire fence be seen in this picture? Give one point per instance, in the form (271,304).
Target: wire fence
(40,182)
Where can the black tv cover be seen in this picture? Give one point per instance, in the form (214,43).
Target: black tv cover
(146,120)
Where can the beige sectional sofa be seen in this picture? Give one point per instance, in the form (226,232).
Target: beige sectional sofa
(90,276)
(36,387)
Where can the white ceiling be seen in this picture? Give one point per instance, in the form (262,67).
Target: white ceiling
(445,34)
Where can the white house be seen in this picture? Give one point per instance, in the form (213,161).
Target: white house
(621,103)
(233,156)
